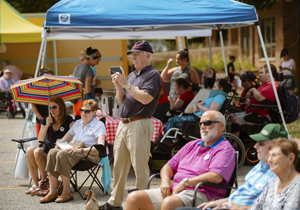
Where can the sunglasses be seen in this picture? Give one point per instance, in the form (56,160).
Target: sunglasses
(208,123)
(261,143)
(53,107)
(86,111)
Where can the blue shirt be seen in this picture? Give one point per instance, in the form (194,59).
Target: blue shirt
(219,99)
(255,183)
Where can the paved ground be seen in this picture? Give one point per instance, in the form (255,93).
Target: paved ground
(15,198)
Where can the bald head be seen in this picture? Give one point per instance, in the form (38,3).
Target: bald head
(212,132)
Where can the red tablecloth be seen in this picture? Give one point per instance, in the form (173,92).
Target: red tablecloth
(112,126)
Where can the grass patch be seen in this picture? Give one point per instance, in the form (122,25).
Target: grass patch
(294,128)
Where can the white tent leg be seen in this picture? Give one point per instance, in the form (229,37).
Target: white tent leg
(54,57)
(44,39)
(223,52)
(271,76)
(210,56)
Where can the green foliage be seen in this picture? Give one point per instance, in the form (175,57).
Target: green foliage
(260,4)
(203,63)
(32,6)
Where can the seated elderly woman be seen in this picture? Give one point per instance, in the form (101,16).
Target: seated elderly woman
(214,102)
(60,162)
(53,127)
(283,191)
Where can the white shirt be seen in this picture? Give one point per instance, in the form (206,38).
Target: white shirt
(88,134)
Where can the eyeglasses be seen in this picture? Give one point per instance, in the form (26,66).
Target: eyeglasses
(208,122)
(53,107)
(86,111)
(273,155)
(260,143)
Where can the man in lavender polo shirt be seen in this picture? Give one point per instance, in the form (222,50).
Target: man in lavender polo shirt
(209,159)
(138,95)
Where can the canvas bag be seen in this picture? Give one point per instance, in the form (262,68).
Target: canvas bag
(91,202)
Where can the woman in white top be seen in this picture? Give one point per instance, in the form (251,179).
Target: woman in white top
(60,162)
(282,191)
(288,67)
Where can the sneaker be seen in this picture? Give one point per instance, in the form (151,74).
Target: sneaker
(107,206)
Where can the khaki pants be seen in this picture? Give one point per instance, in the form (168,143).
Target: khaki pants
(61,162)
(131,147)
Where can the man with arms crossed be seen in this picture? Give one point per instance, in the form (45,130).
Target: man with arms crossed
(257,179)
(138,95)
(209,159)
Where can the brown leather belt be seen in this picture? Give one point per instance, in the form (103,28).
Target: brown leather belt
(131,119)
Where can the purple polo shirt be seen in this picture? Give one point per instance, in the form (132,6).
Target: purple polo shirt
(193,160)
(147,80)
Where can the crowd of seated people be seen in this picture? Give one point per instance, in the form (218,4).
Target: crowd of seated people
(214,102)
(264,92)
(271,184)
(87,130)
(53,127)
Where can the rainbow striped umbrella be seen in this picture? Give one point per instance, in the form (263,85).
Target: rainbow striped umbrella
(38,90)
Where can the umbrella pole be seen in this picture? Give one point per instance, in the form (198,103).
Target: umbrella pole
(223,52)
(44,38)
(272,79)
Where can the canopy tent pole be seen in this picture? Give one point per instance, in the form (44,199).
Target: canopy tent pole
(44,39)
(54,56)
(187,47)
(210,55)
(271,76)
(223,52)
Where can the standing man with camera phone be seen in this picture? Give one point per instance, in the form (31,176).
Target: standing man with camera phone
(138,95)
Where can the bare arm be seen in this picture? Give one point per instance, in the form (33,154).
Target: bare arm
(94,151)
(121,81)
(177,105)
(140,95)
(166,173)
(213,106)
(44,129)
(167,72)
(36,111)
(233,72)
(211,177)
(88,84)
(258,97)
(194,76)
(212,204)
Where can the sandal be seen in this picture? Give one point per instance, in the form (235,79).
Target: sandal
(64,197)
(31,189)
(49,198)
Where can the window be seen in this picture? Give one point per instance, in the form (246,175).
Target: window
(268,34)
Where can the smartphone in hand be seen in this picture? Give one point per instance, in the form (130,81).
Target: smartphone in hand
(115,69)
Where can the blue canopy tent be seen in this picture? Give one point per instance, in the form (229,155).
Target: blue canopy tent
(119,18)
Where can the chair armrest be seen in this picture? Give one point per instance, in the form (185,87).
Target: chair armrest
(208,184)
(24,140)
(262,106)
(21,141)
(151,177)
(100,148)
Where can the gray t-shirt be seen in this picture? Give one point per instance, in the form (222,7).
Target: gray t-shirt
(78,69)
(178,73)
(149,81)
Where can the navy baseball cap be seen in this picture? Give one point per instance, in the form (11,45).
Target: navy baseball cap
(141,46)
(248,75)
